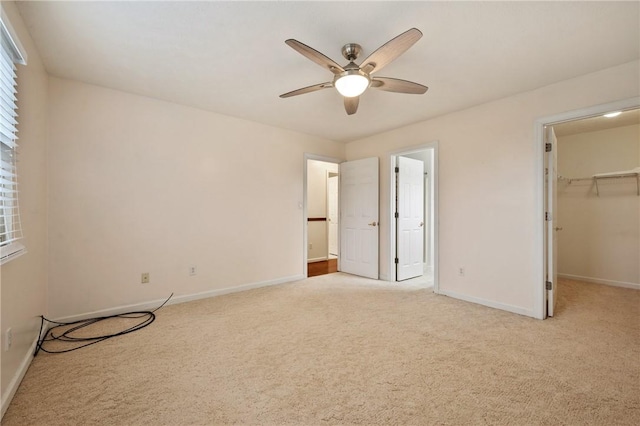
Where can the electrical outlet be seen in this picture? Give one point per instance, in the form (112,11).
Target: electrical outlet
(461,271)
(193,270)
(8,339)
(310,246)
(145,278)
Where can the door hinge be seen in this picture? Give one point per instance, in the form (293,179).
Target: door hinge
(547,147)
(547,216)
(396,215)
(548,285)
(397,169)
(396,260)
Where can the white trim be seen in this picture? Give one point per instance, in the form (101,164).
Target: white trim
(17,378)
(392,194)
(489,303)
(612,283)
(538,140)
(318,259)
(179,299)
(305,213)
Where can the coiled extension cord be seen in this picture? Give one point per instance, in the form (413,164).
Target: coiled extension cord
(146,318)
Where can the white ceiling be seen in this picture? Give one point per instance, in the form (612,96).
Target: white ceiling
(230,57)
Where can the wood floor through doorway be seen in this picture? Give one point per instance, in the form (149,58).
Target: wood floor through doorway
(324,267)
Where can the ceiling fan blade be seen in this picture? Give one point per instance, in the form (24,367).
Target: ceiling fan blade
(307,89)
(351,104)
(399,86)
(390,51)
(315,56)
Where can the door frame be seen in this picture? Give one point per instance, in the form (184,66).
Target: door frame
(540,292)
(434,198)
(551,207)
(304,206)
(328,177)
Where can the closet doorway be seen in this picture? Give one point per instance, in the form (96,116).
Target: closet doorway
(322,189)
(591,200)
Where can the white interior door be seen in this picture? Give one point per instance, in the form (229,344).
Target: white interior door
(410,223)
(359,217)
(551,164)
(332,214)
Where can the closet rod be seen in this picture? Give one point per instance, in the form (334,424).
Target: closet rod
(596,178)
(620,176)
(574,179)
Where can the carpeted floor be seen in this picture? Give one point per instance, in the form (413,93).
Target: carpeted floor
(338,349)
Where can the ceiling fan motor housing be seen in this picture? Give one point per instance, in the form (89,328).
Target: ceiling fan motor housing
(351,51)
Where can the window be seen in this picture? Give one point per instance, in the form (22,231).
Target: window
(10,226)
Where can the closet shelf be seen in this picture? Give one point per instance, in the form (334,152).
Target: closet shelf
(634,173)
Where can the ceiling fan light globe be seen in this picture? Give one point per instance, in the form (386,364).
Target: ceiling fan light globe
(352,85)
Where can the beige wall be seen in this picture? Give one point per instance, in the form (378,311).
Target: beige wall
(24,280)
(317,207)
(600,240)
(140,185)
(487,185)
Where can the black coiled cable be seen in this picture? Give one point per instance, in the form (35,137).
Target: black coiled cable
(146,318)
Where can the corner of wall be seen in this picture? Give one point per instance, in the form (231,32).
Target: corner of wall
(24,279)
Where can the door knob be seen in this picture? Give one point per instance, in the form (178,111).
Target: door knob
(421,223)
(558,228)
(373,224)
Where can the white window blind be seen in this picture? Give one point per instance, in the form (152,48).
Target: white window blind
(10,225)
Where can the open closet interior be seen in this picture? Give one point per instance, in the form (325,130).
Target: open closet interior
(599,199)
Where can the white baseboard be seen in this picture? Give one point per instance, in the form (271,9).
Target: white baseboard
(179,299)
(489,303)
(17,378)
(229,290)
(634,286)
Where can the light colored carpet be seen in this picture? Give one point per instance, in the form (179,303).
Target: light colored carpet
(338,349)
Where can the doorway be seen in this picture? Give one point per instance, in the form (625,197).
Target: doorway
(551,218)
(414,230)
(598,200)
(356,213)
(322,192)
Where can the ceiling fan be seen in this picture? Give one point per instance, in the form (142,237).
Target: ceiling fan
(352,80)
